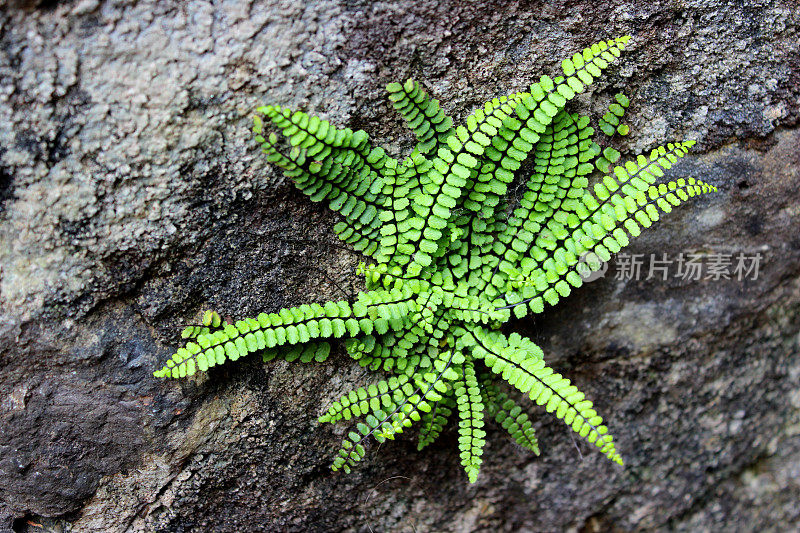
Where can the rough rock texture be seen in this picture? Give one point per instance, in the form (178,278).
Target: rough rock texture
(131,197)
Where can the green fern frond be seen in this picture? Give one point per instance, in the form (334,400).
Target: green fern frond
(471,436)
(433,423)
(511,417)
(382,395)
(305,353)
(423,115)
(610,123)
(430,388)
(520,362)
(455,256)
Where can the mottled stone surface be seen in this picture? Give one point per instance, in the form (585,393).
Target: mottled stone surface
(131,197)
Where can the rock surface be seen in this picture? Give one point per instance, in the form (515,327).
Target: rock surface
(131,197)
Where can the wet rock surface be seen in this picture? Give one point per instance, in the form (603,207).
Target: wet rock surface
(131,197)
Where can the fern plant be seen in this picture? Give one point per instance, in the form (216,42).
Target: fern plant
(454,258)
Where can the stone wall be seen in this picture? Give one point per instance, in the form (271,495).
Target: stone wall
(132,197)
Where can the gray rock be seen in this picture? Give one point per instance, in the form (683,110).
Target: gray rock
(132,197)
